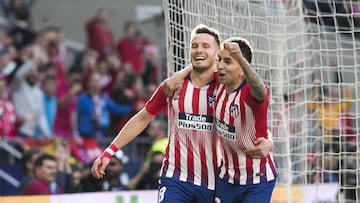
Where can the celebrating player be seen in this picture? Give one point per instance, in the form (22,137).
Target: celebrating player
(241,117)
(190,163)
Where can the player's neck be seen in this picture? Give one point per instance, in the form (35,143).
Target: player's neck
(233,86)
(200,79)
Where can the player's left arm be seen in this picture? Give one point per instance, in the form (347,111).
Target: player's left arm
(256,84)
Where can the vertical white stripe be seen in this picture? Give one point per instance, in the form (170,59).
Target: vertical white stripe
(183,156)
(256,170)
(197,160)
(171,167)
(203,101)
(269,172)
(242,166)
(189,98)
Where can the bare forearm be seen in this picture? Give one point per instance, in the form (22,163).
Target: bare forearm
(132,128)
(257,86)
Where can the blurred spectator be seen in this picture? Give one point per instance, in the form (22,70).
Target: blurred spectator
(49,85)
(93,116)
(327,106)
(89,183)
(99,37)
(107,78)
(50,40)
(148,176)
(15,9)
(8,120)
(27,163)
(124,93)
(151,65)
(131,47)
(65,118)
(45,172)
(28,101)
(157,132)
(64,171)
(7,63)
(77,174)
(116,178)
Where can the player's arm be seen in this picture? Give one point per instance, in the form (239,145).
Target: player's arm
(172,85)
(257,86)
(262,147)
(131,129)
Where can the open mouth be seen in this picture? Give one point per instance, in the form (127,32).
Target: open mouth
(221,74)
(199,59)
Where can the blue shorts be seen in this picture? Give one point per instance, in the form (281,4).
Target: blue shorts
(229,193)
(176,191)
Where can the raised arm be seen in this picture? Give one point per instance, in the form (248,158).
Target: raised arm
(257,86)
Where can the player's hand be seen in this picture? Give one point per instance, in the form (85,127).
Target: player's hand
(99,166)
(262,148)
(172,86)
(233,49)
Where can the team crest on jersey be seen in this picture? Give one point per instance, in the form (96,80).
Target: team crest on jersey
(234,110)
(211,100)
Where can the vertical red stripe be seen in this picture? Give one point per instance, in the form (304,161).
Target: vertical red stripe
(272,165)
(204,170)
(236,167)
(195,99)
(249,171)
(226,161)
(190,159)
(177,156)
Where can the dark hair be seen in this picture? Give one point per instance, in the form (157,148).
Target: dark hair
(128,24)
(40,160)
(245,47)
(27,157)
(203,29)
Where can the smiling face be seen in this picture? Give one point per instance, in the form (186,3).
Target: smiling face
(229,70)
(203,51)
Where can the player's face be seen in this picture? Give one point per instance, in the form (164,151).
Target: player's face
(230,72)
(203,51)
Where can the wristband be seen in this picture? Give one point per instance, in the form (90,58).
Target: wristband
(109,152)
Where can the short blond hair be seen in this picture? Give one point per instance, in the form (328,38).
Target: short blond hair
(204,29)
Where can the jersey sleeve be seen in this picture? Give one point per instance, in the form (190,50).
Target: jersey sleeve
(157,102)
(255,104)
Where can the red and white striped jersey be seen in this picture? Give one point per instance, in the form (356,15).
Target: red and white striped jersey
(191,154)
(239,121)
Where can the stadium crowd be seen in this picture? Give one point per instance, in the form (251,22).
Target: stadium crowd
(61,117)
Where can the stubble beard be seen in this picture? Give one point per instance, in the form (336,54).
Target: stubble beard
(200,69)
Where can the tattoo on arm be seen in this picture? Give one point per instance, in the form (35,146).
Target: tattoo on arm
(257,86)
